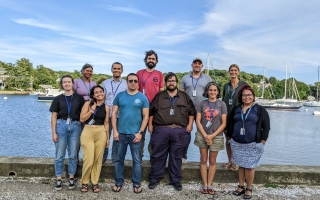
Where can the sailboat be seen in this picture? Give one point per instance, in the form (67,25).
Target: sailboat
(286,103)
(314,103)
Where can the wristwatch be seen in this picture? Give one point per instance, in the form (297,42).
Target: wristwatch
(140,132)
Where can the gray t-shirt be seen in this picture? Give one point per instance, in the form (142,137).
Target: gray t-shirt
(198,85)
(212,111)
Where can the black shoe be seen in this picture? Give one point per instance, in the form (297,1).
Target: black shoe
(177,186)
(58,185)
(151,186)
(71,184)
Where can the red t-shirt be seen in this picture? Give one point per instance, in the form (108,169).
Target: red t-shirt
(150,82)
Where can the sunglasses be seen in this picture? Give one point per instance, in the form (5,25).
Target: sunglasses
(135,81)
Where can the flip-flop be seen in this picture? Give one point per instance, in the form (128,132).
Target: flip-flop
(118,188)
(136,189)
(234,167)
(227,165)
(211,191)
(204,190)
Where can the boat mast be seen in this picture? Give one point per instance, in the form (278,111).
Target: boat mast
(285,82)
(208,65)
(264,73)
(318,85)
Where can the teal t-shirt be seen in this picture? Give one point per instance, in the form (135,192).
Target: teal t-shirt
(130,111)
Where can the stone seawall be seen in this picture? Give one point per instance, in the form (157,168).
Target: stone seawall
(276,174)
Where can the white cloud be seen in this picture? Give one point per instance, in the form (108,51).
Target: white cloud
(36,23)
(126,9)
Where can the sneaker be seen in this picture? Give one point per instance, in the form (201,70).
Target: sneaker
(71,184)
(151,186)
(184,160)
(177,186)
(58,185)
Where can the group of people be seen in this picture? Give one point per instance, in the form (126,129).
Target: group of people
(87,113)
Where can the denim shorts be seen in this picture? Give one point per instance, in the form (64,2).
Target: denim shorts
(217,142)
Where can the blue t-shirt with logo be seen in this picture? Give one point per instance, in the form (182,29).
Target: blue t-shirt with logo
(130,111)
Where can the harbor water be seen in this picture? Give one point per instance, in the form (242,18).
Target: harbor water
(25,130)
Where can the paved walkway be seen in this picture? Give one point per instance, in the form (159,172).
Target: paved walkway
(43,188)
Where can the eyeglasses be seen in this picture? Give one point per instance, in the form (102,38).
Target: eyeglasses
(135,81)
(247,95)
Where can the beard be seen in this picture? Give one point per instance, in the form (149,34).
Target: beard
(171,89)
(151,65)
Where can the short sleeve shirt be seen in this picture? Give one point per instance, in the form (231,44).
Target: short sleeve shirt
(82,88)
(150,82)
(190,84)
(130,111)
(60,106)
(212,111)
(112,88)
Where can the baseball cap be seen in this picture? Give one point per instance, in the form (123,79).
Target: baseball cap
(199,59)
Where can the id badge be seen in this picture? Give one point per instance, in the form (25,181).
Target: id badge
(194,93)
(242,131)
(68,120)
(171,111)
(208,125)
(144,92)
(91,122)
(230,101)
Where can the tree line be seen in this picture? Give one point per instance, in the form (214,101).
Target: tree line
(23,76)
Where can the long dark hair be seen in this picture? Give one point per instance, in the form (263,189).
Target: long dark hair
(94,100)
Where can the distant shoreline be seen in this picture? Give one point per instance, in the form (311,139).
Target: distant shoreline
(13,92)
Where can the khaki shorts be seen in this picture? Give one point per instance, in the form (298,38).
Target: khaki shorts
(217,142)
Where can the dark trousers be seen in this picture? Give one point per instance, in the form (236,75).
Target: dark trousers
(167,141)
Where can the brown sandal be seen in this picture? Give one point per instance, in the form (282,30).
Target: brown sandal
(95,188)
(84,188)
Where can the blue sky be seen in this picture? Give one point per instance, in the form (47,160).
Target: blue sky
(63,35)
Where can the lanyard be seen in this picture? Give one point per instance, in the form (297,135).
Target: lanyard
(246,116)
(69,105)
(144,82)
(114,93)
(194,86)
(85,85)
(233,90)
(214,108)
(172,102)
(96,111)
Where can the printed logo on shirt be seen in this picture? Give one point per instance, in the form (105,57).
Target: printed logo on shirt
(155,79)
(137,101)
(207,114)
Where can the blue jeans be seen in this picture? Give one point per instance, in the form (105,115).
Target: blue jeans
(68,138)
(125,140)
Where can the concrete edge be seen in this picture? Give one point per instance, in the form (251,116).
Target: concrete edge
(272,174)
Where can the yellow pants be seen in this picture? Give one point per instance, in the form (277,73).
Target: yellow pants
(93,142)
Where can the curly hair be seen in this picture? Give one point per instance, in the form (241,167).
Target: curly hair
(205,93)
(149,53)
(245,87)
(92,94)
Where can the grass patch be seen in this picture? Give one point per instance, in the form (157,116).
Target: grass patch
(46,181)
(270,185)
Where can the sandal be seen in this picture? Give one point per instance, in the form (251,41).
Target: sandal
(234,167)
(116,188)
(84,188)
(204,190)
(227,165)
(136,189)
(237,192)
(210,190)
(95,188)
(247,196)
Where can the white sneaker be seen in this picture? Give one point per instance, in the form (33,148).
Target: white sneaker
(184,161)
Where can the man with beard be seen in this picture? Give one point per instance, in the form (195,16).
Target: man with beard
(112,87)
(150,81)
(194,85)
(170,123)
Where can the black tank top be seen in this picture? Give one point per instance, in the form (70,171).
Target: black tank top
(100,115)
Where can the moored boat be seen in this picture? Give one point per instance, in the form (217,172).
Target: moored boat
(51,94)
